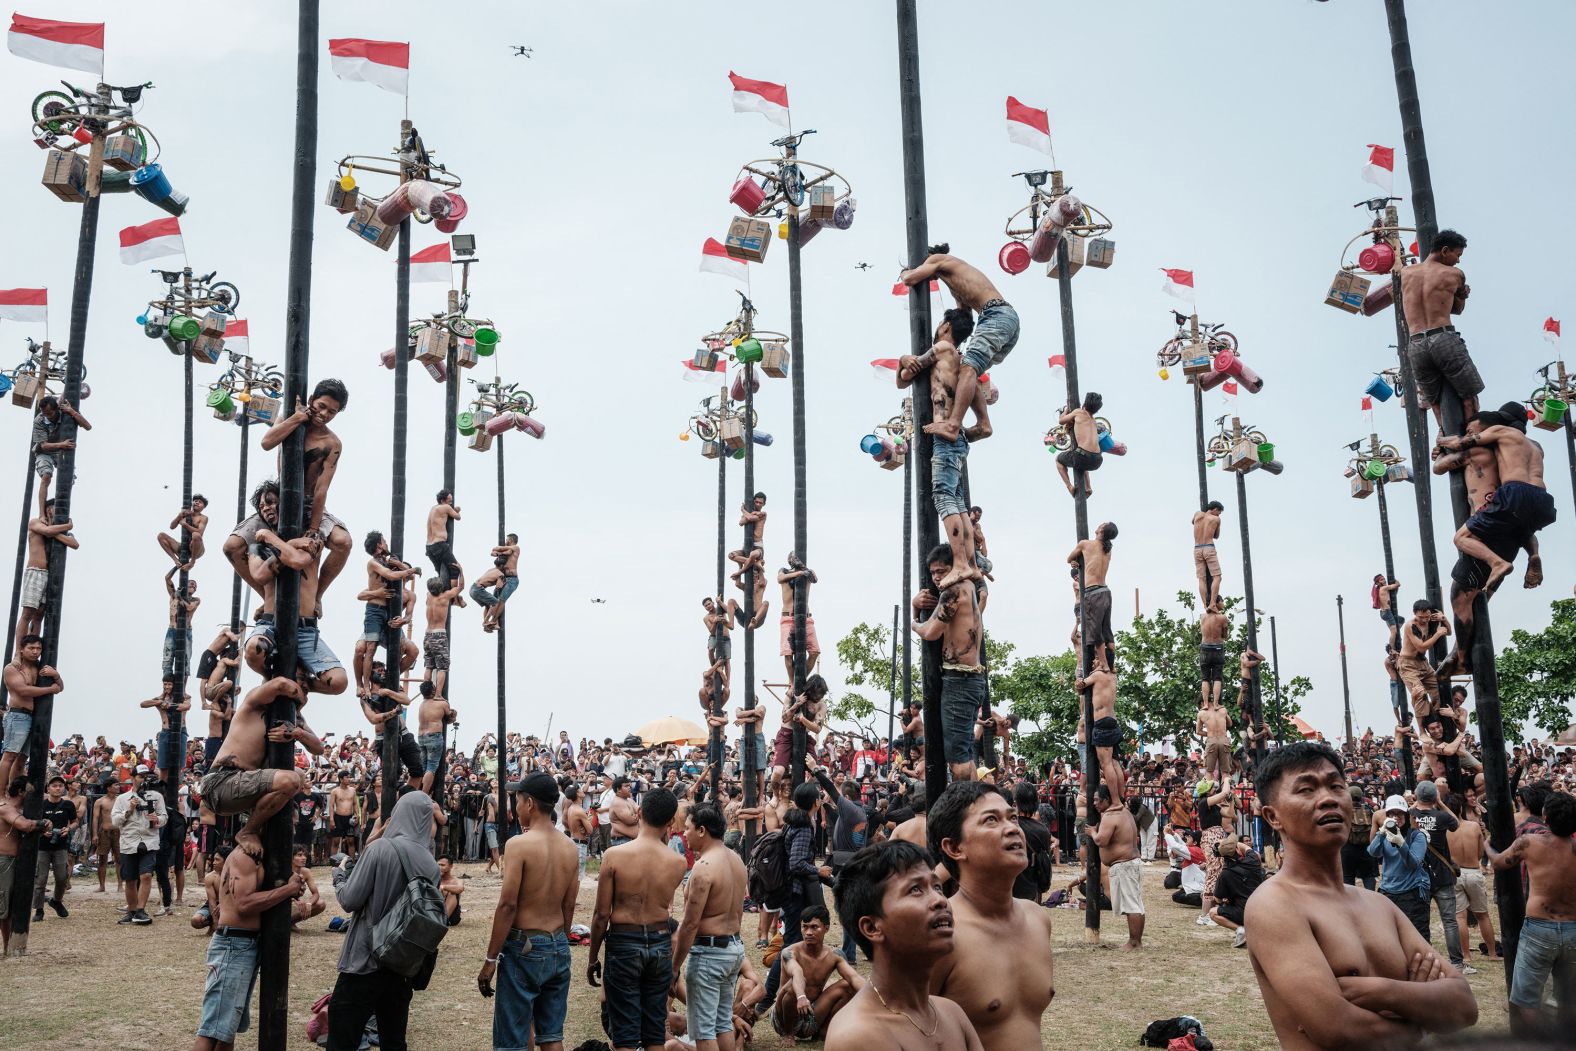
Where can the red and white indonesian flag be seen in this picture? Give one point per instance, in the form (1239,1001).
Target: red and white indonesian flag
(1380,169)
(153,240)
(760,96)
(716,377)
(1229,388)
(714,259)
(1179,284)
(900,289)
(385,63)
(1551,328)
(24,304)
(432,264)
(1028,126)
(885,370)
(70,45)
(238,336)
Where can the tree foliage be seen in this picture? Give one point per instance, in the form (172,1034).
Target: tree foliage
(1537,675)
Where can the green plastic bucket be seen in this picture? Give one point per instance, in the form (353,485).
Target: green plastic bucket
(1554,410)
(220,399)
(738,454)
(184,328)
(1266,452)
(749,350)
(1374,470)
(466,423)
(486,341)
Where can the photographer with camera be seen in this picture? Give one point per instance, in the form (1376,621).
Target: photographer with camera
(138,814)
(1400,849)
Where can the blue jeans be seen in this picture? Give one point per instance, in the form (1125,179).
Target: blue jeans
(533,986)
(995,334)
(172,751)
(1547,947)
(227,993)
(431,751)
(946,475)
(710,975)
(169,651)
(17,725)
(638,975)
(509,585)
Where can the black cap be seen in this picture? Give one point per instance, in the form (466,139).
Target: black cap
(1515,415)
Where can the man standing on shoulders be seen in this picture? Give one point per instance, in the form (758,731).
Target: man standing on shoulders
(971,830)
(708,937)
(1432,292)
(1338,966)
(634,891)
(1206,530)
(528,949)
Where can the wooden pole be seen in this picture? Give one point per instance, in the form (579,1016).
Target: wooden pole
(1346,685)
(748,766)
(503,667)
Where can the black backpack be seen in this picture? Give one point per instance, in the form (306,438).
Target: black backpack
(769,883)
(1362,825)
(1160,1033)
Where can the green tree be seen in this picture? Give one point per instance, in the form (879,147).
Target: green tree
(865,655)
(1537,675)
(1039,690)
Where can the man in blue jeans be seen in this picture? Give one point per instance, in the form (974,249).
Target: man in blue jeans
(1548,936)
(1435,822)
(529,948)
(633,892)
(232,950)
(1400,849)
(708,938)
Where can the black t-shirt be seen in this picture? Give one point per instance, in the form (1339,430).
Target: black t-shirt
(1038,840)
(59,815)
(1436,823)
(307,809)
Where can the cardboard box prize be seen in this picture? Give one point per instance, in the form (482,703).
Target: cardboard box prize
(1362,488)
(465,353)
(432,344)
(66,175)
(1243,457)
(1075,257)
(710,450)
(366,225)
(123,153)
(1347,292)
(896,460)
(1101,254)
(706,360)
(748,239)
(1196,359)
(340,199)
(823,202)
(481,441)
(207,348)
(263,409)
(775,359)
(24,389)
(732,433)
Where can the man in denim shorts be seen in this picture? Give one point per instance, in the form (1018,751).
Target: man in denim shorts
(707,948)
(232,951)
(994,335)
(1432,292)
(1548,935)
(956,624)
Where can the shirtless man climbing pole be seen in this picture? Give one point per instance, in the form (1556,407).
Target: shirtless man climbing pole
(1212,629)
(440,549)
(1095,554)
(994,335)
(1214,726)
(41,531)
(1107,731)
(1206,563)
(238,782)
(317,665)
(947,455)
(435,644)
(322,449)
(22,689)
(191,518)
(956,624)
(792,577)
(1085,454)
(1432,292)
(383,596)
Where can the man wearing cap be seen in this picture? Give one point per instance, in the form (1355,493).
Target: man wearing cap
(1520,505)
(1400,849)
(138,814)
(1435,822)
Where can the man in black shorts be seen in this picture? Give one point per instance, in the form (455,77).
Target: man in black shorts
(1084,454)
(439,549)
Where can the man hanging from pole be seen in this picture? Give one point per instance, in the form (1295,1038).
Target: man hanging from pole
(329,399)
(1432,292)
(956,624)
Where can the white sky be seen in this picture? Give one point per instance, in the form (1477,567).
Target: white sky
(1223,138)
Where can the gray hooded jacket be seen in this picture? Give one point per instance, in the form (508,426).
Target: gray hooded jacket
(377,881)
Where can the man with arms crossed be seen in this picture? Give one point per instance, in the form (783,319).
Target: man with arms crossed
(972,831)
(528,947)
(890,897)
(708,937)
(956,624)
(634,892)
(1338,966)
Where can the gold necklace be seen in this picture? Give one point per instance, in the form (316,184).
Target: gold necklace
(910,1021)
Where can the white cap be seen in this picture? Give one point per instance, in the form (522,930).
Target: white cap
(1396,803)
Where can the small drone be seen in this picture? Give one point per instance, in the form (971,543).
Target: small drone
(599,602)
(861,266)
(521,50)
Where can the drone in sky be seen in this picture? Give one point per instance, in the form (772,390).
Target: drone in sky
(861,266)
(520,49)
(599,602)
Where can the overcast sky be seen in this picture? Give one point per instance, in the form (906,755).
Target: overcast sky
(1223,138)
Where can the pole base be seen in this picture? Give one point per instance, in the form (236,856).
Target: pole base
(1091,936)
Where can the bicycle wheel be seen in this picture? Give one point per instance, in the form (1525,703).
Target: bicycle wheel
(273,384)
(1061,439)
(703,430)
(226,294)
(463,327)
(1539,396)
(1219,446)
(792,182)
(1256,437)
(1170,353)
(1223,340)
(1389,452)
(50,109)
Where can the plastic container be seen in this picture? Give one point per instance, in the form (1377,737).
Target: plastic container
(1377,258)
(221,401)
(1266,452)
(761,438)
(1380,389)
(748,350)
(870,445)
(747,194)
(1554,410)
(1107,443)
(465,423)
(1374,470)
(150,183)
(184,328)
(486,341)
(1013,257)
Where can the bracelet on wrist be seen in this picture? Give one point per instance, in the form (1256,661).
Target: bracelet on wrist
(490,959)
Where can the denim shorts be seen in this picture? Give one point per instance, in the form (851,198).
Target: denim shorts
(374,619)
(946,475)
(431,752)
(311,650)
(710,975)
(483,597)
(490,834)
(638,975)
(1547,947)
(172,753)
(533,986)
(17,725)
(169,650)
(227,994)
(962,694)
(509,586)
(995,334)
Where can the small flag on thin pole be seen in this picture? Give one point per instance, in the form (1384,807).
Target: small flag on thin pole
(714,259)
(238,336)
(885,370)
(1551,331)
(432,265)
(760,96)
(718,375)
(1179,284)
(69,45)
(1028,126)
(1380,169)
(153,240)
(24,304)
(385,63)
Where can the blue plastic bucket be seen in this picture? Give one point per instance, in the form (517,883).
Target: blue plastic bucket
(150,183)
(870,445)
(1380,389)
(1107,443)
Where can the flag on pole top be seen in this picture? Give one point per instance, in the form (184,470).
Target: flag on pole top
(1551,331)
(153,240)
(1179,284)
(760,96)
(714,259)
(1028,126)
(1057,361)
(24,304)
(432,264)
(885,370)
(716,376)
(1229,388)
(70,45)
(1380,169)
(237,336)
(385,63)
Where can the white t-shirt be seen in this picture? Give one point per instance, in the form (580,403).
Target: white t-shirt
(604,805)
(615,765)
